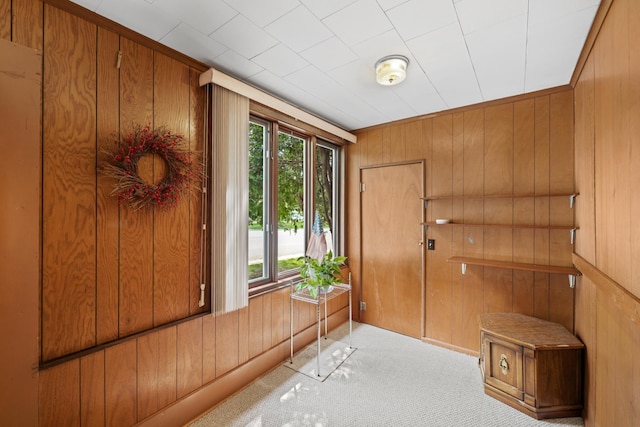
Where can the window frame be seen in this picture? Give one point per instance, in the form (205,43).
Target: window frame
(273,280)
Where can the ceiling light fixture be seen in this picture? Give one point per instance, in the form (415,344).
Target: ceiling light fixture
(391,70)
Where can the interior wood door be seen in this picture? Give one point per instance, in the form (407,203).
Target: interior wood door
(392,247)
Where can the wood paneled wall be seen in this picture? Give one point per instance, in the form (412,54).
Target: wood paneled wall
(109,272)
(131,381)
(607,144)
(122,271)
(517,147)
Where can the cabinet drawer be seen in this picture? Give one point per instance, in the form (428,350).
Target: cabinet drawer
(503,365)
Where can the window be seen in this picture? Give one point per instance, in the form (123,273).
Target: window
(287,185)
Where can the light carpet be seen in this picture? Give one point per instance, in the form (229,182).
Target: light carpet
(332,354)
(391,380)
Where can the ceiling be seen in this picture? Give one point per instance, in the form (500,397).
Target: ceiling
(320,54)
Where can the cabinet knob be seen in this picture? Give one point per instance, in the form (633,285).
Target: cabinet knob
(504,365)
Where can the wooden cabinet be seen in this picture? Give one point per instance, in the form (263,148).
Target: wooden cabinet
(531,364)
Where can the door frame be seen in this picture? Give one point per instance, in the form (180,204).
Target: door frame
(423,257)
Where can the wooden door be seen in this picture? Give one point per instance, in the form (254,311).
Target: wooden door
(392,250)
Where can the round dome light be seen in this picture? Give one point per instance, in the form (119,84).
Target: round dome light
(391,70)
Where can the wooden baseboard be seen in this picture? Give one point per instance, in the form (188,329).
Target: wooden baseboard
(211,394)
(451,346)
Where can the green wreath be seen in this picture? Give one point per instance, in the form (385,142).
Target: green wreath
(122,165)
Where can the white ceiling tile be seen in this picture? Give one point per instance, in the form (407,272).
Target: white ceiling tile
(205,16)
(478,14)
(263,12)
(244,37)
(309,78)
(280,60)
(498,55)
(541,11)
(475,54)
(553,48)
(185,39)
(299,29)
(358,22)
(444,58)
(417,17)
(140,16)
(323,8)
(387,43)
(419,94)
(329,54)
(235,64)
(389,4)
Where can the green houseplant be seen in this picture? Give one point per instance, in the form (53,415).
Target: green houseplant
(319,275)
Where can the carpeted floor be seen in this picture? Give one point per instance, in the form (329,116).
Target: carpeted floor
(390,380)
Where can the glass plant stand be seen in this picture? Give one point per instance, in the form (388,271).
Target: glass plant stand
(322,299)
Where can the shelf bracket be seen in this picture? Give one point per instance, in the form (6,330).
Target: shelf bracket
(464,268)
(572,199)
(572,281)
(573,235)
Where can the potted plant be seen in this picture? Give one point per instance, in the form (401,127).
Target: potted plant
(318,276)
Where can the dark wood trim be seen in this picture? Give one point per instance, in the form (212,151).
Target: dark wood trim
(63,359)
(590,41)
(485,104)
(207,397)
(123,31)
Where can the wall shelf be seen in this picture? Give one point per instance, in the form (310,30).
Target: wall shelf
(572,272)
(544,227)
(571,196)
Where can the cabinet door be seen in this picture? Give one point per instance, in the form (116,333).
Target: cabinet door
(503,365)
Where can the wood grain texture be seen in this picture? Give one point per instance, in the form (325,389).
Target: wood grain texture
(107,226)
(69,158)
(189,356)
(5,19)
(208,348)
(227,333)
(121,384)
(156,371)
(27,22)
(60,395)
(255,326)
(171,231)
(92,381)
(633,131)
(136,227)
(20,245)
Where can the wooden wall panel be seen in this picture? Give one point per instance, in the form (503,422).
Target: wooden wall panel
(69,158)
(189,356)
(171,281)
(107,229)
(20,252)
(439,272)
(60,395)
(634,130)
(227,333)
(157,370)
(5,19)
(92,399)
(397,145)
(121,384)
(499,149)
(255,326)
(136,227)
(27,23)
(208,348)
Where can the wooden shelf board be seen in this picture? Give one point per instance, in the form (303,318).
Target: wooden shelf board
(544,227)
(555,269)
(500,196)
